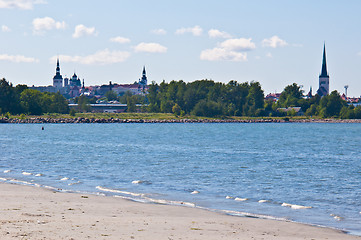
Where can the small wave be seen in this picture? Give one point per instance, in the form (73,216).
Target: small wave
(7,171)
(38,175)
(229,197)
(52,188)
(141,182)
(26,173)
(247,214)
(263,201)
(194,192)
(294,206)
(64,179)
(338,218)
(3,179)
(137,182)
(73,183)
(118,191)
(240,199)
(21,182)
(169,202)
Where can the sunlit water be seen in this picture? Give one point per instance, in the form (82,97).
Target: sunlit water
(309,172)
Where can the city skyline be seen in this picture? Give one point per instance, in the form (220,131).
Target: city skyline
(275,43)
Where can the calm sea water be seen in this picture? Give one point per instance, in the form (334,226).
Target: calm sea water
(309,173)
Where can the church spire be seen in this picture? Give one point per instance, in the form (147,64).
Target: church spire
(57,67)
(144,74)
(324,65)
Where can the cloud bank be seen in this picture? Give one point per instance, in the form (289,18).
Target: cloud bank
(20,4)
(120,40)
(5,28)
(81,30)
(274,42)
(215,33)
(17,58)
(159,31)
(150,48)
(196,31)
(229,50)
(40,25)
(102,57)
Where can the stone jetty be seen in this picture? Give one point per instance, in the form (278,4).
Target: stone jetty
(41,120)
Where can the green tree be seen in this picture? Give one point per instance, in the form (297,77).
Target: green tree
(30,100)
(111,95)
(331,105)
(176,109)
(9,99)
(131,103)
(83,104)
(290,96)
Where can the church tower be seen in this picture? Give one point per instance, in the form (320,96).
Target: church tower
(57,79)
(324,79)
(143,81)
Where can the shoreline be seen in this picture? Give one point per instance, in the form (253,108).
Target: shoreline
(36,213)
(119,120)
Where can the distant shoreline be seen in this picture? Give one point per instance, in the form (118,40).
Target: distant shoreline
(41,120)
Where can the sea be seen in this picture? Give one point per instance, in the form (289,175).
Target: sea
(303,172)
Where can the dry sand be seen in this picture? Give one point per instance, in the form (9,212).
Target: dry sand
(36,213)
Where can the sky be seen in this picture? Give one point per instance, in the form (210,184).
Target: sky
(274,42)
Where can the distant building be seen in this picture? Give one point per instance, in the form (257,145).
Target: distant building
(273,96)
(324,79)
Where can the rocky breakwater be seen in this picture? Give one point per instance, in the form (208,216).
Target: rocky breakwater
(41,120)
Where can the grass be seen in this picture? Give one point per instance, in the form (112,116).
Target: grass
(145,116)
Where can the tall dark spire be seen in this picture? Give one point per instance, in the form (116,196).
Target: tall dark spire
(324,65)
(144,71)
(57,67)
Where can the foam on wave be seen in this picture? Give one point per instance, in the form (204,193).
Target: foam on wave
(247,214)
(119,191)
(240,199)
(294,206)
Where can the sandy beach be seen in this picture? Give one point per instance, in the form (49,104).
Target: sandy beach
(36,213)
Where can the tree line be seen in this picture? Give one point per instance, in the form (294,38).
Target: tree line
(211,99)
(199,98)
(22,100)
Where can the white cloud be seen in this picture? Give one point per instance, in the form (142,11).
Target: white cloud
(274,42)
(196,31)
(269,55)
(5,28)
(81,30)
(229,50)
(17,58)
(120,40)
(159,31)
(45,24)
(150,47)
(238,44)
(215,33)
(222,54)
(20,4)
(102,57)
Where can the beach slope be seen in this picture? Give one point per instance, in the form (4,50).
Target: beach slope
(36,213)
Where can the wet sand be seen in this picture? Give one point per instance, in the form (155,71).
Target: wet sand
(36,213)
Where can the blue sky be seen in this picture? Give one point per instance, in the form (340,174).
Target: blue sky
(275,42)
